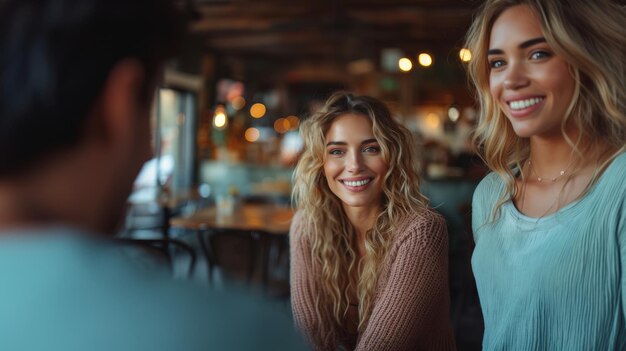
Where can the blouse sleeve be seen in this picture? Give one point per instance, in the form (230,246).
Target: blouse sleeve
(484,199)
(621,237)
(302,284)
(414,303)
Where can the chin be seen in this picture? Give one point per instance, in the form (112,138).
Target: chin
(523,130)
(528,133)
(354,204)
(357,202)
(523,133)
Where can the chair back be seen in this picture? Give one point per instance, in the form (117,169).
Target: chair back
(236,253)
(161,251)
(148,218)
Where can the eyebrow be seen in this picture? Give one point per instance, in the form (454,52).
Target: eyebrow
(524,45)
(343,143)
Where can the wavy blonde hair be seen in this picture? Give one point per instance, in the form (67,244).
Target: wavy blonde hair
(590,36)
(324,222)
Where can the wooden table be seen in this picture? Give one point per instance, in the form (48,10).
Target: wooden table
(270,219)
(268,223)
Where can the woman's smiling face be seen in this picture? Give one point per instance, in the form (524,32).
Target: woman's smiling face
(531,84)
(354,166)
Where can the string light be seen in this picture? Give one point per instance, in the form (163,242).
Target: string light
(405,64)
(425,59)
(219,117)
(465,55)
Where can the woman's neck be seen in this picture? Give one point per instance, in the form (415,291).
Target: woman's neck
(362,220)
(550,156)
(553,157)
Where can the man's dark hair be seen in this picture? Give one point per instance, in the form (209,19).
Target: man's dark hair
(55,56)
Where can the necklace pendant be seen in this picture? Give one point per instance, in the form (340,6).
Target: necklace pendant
(541,179)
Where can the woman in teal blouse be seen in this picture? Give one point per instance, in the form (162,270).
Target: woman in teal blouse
(550,220)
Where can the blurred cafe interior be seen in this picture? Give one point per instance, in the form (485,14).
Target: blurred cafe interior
(225,127)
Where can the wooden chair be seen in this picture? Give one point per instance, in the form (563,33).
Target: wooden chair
(237,254)
(161,250)
(148,218)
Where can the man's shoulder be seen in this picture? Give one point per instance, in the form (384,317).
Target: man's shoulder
(85,291)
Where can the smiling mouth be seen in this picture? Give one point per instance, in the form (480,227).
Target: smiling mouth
(356,183)
(524,104)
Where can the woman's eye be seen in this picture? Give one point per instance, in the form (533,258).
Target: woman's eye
(496,63)
(538,55)
(335,152)
(372,149)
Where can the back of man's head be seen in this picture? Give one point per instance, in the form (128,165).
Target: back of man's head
(55,57)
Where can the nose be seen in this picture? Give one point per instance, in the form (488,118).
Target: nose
(354,162)
(515,76)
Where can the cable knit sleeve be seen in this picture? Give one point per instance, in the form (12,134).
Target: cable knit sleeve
(411,310)
(302,284)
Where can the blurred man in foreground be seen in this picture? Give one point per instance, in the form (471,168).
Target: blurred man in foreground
(77,79)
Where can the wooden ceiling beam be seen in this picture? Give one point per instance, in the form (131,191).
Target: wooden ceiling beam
(351,28)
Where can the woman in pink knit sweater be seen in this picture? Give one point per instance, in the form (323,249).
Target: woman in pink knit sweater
(369,259)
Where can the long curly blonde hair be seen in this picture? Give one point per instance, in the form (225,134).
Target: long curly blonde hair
(591,37)
(324,222)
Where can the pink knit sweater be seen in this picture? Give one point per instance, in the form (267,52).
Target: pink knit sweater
(411,304)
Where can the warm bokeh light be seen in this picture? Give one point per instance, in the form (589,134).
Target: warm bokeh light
(453,114)
(362,66)
(405,64)
(294,122)
(238,103)
(219,117)
(257,110)
(432,120)
(252,134)
(281,125)
(465,55)
(425,59)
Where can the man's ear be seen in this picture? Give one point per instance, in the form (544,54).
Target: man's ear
(120,104)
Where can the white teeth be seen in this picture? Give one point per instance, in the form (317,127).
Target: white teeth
(522,104)
(356,183)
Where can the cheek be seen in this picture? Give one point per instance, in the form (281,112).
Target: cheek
(381,164)
(557,78)
(494,87)
(331,168)
(384,170)
(381,167)
(330,173)
(565,86)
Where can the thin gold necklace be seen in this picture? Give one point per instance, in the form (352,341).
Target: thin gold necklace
(541,179)
(523,198)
